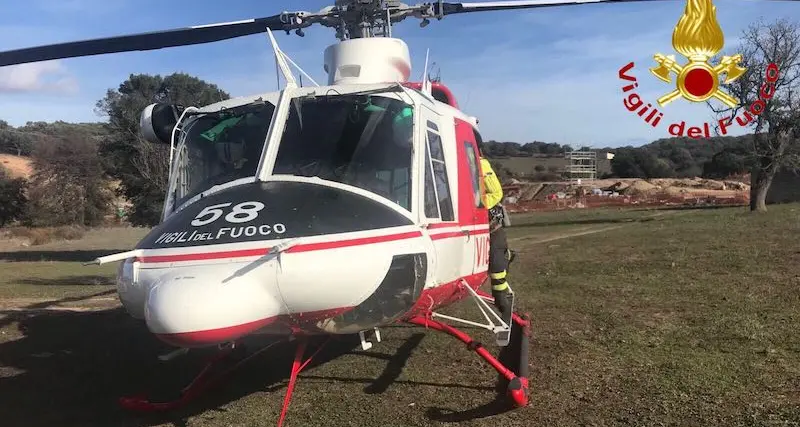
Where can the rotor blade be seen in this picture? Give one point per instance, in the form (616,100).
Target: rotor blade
(149,41)
(452,8)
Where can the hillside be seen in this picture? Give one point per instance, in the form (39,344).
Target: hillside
(716,157)
(541,165)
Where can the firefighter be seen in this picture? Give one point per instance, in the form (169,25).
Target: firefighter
(499,254)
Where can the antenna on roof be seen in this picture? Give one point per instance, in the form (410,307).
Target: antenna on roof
(426,84)
(282,62)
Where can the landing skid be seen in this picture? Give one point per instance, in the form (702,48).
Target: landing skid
(205,379)
(517,389)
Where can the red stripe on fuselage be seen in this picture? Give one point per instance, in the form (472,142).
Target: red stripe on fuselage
(431,299)
(213,336)
(456,233)
(306,247)
(450,234)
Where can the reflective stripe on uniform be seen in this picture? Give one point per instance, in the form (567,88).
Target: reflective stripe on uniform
(498,276)
(501,287)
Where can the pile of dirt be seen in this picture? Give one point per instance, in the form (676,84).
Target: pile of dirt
(529,192)
(640,187)
(675,187)
(549,189)
(737,185)
(675,191)
(619,186)
(687,182)
(711,184)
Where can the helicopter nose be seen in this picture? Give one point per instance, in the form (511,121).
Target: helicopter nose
(200,309)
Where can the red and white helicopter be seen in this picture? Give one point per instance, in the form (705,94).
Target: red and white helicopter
(331,210)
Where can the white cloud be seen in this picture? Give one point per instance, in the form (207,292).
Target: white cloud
(48,76)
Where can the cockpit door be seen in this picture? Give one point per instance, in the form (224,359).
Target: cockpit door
(473,216)
(438,178)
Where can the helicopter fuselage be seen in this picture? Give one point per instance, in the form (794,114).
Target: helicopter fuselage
(362,208)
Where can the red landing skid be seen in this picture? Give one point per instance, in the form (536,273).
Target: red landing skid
(517,382)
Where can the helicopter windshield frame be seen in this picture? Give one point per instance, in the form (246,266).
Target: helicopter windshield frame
(392,95)
(359,140)
(216,150)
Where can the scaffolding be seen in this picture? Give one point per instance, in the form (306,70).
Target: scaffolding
(581,165)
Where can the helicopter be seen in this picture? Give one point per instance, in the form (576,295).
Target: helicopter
(329,210)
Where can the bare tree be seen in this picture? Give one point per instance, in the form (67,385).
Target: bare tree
(151,162)
(769,95)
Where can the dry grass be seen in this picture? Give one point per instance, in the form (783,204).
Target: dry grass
(687,319)
(55,269)
(43,235)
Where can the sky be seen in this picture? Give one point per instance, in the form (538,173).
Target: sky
(538,75)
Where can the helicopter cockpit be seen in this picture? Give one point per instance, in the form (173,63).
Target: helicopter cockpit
(218,148)
(360,140)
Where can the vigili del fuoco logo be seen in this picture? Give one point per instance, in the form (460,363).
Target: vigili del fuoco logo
(698,38)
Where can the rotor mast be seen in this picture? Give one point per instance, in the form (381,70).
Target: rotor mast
(355,19)
(366,52)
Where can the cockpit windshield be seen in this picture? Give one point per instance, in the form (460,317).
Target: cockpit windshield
(360,140)
(220,147)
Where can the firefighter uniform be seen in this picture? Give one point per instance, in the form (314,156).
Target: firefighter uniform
(499,254)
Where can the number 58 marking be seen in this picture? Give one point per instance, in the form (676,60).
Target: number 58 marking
(241,213)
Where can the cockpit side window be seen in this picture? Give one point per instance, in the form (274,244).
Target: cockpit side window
(360,140)
(217,148)
(438,203)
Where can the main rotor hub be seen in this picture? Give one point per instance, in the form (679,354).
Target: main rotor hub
(370,18)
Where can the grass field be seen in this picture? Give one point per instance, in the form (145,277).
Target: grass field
(641,318)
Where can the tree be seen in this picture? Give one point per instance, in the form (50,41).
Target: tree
(769,95)
(69,185)
(12,197)
(12,141)
(724,164)
(624,165)
(142,167)
(20,141)
(681,158)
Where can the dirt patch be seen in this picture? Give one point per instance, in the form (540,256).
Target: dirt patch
(18,167)
(530,196)
(532,240)
(565,235)
(33,305)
